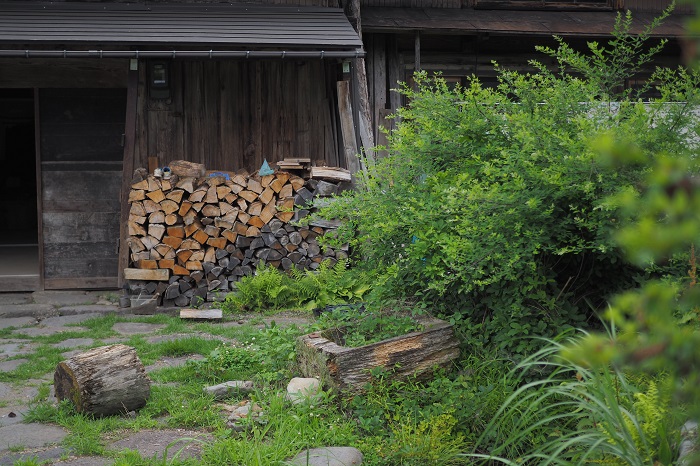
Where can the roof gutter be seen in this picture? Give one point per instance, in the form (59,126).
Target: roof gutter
(210,54)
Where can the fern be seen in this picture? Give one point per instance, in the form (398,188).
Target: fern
(270,289)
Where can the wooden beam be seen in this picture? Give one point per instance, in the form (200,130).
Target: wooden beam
(162,275)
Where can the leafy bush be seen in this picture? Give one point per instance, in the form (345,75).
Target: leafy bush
(493,206)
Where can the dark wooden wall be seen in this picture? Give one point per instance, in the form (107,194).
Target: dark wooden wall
(231,115)
(634,5)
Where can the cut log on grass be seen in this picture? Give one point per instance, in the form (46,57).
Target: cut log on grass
(103,381)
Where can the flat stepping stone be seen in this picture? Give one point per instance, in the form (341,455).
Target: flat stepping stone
(74,343)
(16,321)
(9,350)
(10,415)
(328,456)
(151,443)
(26,310)
(136,328)
(30,436)
(15,298)
(9,366)
(173,362)
(60,321)
(84,461)
(183,336)
(88,309)
(42,331)
(40,456)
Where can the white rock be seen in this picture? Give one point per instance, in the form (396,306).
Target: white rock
(301,389)
(328,456)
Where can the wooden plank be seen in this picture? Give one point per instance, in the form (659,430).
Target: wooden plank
(348,127)
(146,274)
(203,314)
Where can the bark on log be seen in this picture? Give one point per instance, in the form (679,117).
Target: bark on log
(103,381)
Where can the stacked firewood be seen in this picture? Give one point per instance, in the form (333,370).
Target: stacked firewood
(192,236)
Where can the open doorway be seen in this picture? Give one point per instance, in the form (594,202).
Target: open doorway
(19,233)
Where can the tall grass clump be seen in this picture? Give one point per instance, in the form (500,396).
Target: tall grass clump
(581,415)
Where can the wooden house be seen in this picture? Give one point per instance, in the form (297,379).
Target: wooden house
(91,90)
(461,38)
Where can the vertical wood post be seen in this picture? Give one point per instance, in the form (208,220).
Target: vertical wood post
(39,192)
(127,170)
(416,58)
(359,76)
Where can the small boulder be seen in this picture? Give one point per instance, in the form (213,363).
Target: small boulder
(328,456)
(226,389)
(302,389)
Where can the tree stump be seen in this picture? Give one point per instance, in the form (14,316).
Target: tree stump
(103,381)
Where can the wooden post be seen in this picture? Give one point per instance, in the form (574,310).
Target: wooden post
(416,58)
(127,170)
(347,127)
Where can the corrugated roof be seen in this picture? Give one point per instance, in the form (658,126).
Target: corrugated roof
(465,21)
(210,25)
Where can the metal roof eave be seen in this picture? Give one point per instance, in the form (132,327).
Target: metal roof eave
(182,27)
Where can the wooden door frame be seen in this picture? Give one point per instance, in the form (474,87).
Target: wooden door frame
(39,191)
(127,171)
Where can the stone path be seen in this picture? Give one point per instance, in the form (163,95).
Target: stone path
(50,313)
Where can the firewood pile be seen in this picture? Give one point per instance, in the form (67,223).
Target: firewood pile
(192,237)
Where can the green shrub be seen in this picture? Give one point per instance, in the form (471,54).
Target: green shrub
(493,206)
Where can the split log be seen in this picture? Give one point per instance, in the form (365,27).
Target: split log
(415,354)
(183,168)
(103,381)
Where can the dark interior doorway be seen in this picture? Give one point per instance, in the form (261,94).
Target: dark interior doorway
(19,232)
